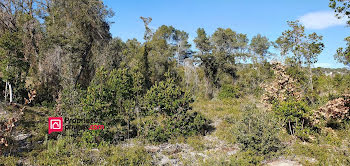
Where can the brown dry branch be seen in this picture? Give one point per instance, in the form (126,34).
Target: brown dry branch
(282,87)
(337,109)
(7,127)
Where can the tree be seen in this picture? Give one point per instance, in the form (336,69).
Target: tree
(219,54)
(313,49)
(80,32)
(208,61)
(165,49)
(228,48)
(232,44)
(202,41)
(145,61)
(20,35)
(259,45)
(112,56)
(343,54)
(292,41)
(342,9)
(14,67)
(305,48)
(110,99)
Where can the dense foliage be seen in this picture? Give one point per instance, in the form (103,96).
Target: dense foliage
(225,96)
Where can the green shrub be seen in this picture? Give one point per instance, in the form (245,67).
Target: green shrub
(248,158)
(166,107)
(296,117)
(293,69)
(163,128)
(166,97)
(61,152)
(229,91)
(115,155)
(111,99)
(258,132)
(8,161)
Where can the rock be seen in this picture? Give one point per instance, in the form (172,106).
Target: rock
(152,148)
(284,162)
(166,161)
(21,137)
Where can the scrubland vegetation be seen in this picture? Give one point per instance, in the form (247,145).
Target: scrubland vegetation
(224,101)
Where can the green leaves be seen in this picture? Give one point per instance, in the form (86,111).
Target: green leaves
(114,98)
(219,53)
(12,58)
(301,45)
(258,132)
(341,8)
(343,54)
(229,91)
(108,93)
(166,107)
(111,99)
(229,42)
(202,41)
(260,46)
(166,97)
(296,115)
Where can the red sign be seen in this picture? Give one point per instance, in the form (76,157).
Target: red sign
(55,124)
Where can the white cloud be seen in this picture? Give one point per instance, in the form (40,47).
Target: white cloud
(321,20)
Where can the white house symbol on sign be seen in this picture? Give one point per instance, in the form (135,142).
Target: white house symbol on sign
(55,124)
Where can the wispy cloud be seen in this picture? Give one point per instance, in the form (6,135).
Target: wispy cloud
(321,20)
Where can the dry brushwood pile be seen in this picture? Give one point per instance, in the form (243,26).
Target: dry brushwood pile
(7,126)
(337,109)
(281,87)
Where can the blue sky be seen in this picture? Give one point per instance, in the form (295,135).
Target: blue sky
(267,17)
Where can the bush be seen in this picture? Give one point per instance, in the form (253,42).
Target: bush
(229,91)
(162,128)
(258,133)
(8,161)
(127,156)
(111,100)
(248,158)
(166,107)
(61,152)
(166,97)
(296,117)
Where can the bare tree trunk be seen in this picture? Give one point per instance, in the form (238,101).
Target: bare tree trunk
(311,86)
(310,78)
(290,128)
(209,89)
(138,119)
(6,83)
(10,90)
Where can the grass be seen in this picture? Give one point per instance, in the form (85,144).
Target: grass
(217,109)
(197,143)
